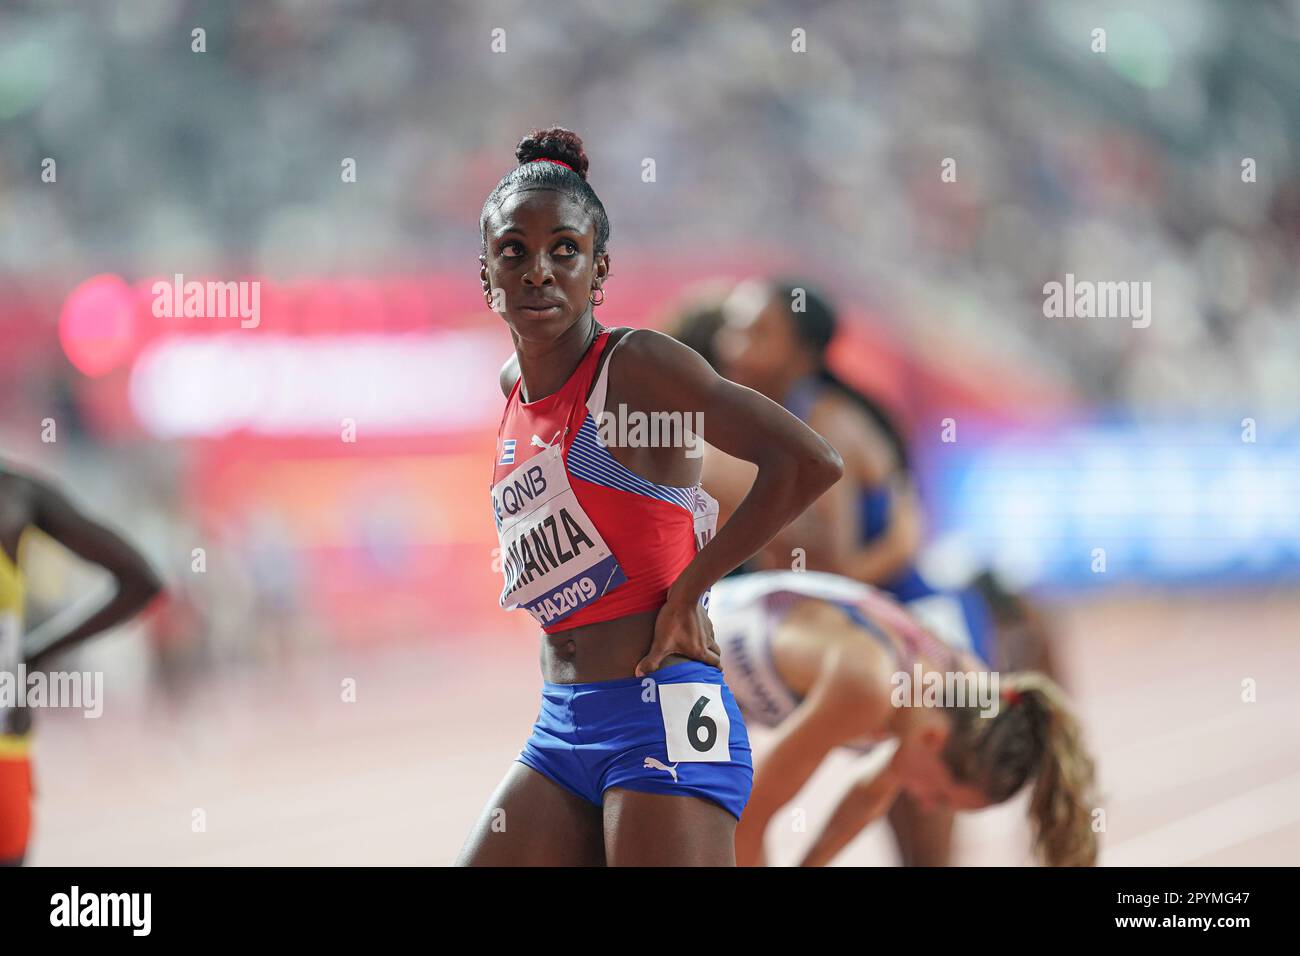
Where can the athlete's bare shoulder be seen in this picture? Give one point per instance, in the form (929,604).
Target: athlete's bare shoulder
(616,335)
(647,357)
(650,344)
(509,374)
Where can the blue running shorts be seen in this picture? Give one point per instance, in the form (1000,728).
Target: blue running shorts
(676,731)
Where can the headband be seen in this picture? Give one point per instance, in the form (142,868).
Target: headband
(555,161)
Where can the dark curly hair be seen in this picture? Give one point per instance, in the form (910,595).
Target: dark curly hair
(553,143)
(815,326)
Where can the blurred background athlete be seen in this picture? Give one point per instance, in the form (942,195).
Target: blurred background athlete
(815,657)
(27,503)
(773,336)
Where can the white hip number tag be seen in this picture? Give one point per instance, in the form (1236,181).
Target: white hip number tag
(696,725)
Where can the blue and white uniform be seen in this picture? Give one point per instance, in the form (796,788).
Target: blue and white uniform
(747,609)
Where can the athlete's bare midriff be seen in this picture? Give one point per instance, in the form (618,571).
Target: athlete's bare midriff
(607,650)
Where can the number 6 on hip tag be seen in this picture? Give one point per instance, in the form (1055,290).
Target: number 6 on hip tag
(696,725)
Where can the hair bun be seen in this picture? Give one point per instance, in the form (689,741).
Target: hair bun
(553,143)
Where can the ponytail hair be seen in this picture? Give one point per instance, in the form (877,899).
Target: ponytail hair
(815,326)
(874,411)
(1034,736)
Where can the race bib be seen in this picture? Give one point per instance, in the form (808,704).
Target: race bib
(696,725)
(552,557)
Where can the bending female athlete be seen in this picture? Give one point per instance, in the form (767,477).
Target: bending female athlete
(639,754)
(27,502)
(819,657)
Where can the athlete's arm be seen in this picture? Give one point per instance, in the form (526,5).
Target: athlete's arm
(889,555)
(843,704)
(868,799)
(137,584)
(795,465)
(823,535)
(829,531)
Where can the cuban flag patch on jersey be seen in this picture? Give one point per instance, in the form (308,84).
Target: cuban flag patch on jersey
(507,451)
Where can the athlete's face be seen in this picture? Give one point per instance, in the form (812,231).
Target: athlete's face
(926,775)
(757,341)
(940,792)
(540,262)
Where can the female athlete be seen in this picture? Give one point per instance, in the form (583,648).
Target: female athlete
(822,658)
(639,755)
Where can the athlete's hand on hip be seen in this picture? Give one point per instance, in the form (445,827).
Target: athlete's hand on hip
(682,627)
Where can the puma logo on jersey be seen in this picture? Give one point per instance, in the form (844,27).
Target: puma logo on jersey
(540,443)
(652,764)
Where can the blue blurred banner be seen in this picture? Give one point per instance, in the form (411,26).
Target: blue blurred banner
(1092,504)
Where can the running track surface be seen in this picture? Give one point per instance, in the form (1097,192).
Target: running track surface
(286,773)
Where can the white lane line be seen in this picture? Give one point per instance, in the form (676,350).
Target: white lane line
(1218,827)
(1199,751)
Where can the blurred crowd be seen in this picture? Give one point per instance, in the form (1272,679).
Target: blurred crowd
(1114,164)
